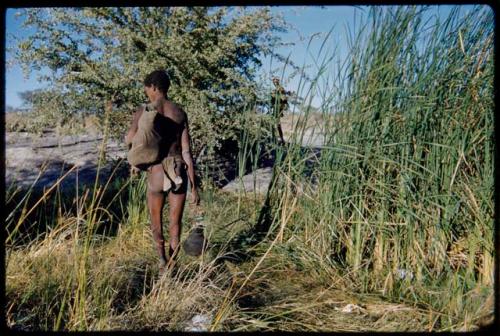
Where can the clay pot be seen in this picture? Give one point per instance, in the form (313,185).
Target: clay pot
(195,243)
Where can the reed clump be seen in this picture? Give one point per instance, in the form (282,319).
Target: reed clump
(402,199)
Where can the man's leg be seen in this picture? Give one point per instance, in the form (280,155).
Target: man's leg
(176,200)
(156,200)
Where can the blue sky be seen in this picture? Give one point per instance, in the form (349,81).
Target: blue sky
(305,20)
(14,78)
(316,22)
(310,28)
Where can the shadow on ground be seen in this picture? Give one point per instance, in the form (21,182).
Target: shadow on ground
(240,248)
(20,199)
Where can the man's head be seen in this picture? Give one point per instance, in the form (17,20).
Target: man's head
(276,81)
(156,83)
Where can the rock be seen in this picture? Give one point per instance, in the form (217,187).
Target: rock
(262,178)
(26,155)
(350,308)
(313,131)
(404,274)
(199,322)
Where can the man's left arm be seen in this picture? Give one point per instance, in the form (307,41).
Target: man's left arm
(186,155)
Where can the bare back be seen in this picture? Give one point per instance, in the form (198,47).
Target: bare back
(173,134)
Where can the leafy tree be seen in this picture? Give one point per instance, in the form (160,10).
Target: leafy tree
(101,54)
(45,103)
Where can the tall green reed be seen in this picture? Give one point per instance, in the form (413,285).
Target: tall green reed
(405,174)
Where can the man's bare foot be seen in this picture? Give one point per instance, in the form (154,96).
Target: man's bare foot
(170,268)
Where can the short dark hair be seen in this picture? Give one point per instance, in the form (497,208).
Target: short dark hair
(158,78)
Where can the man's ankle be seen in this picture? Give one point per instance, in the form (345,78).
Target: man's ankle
(162,262)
